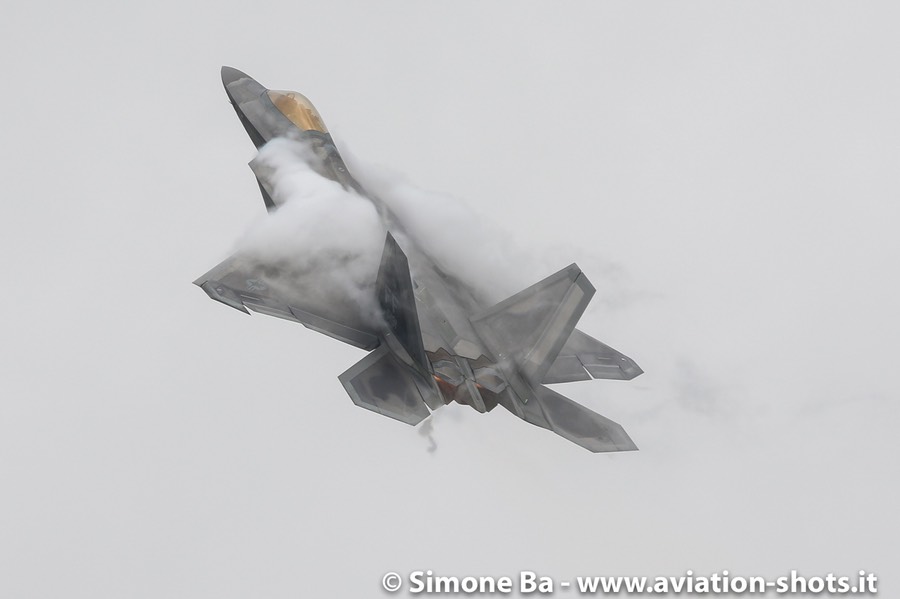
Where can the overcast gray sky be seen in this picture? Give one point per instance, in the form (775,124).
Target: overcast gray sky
(726,174)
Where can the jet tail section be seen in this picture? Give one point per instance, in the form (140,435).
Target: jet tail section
(531,327)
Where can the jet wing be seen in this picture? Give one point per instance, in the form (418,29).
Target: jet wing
(583,357)
(242,283)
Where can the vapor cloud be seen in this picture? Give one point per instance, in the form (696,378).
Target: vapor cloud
(426,429)
(325,240)
(462,241)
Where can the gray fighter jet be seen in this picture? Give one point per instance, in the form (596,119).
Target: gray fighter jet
(432,342)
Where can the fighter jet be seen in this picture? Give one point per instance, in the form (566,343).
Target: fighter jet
(432,341)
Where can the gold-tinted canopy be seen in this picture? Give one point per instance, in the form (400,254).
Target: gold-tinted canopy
(298,110)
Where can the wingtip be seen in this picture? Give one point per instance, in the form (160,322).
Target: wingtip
(631,370)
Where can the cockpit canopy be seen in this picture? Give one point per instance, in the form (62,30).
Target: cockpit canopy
(298,109)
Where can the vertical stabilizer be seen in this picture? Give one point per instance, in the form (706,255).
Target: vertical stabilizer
(531,327)
(398,303)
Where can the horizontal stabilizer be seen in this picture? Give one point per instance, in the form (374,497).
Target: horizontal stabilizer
(575,422)
(532,326)
(382,383)
(583,357)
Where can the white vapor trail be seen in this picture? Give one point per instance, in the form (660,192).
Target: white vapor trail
(330,239)
(326,238)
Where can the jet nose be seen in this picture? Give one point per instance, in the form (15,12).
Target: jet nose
(230,75)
